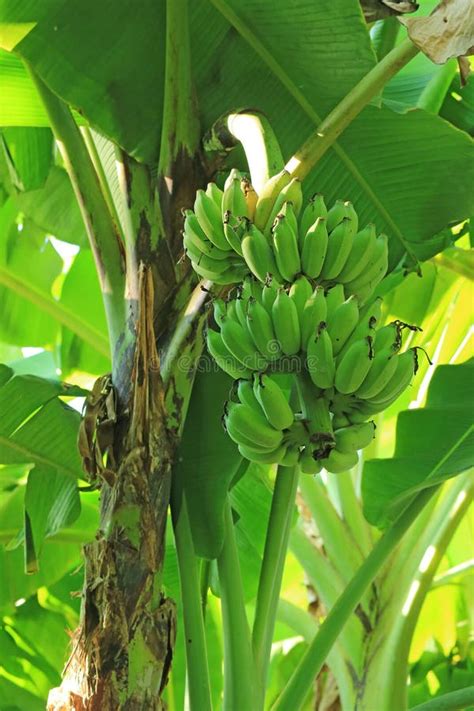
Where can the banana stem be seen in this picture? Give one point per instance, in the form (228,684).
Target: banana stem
(260,144)
(196,652)
(240,682)
(345,112)
(295,691)
(271,573)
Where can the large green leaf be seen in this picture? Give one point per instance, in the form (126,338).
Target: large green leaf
(433,443)
(207,460)
(28,266)
(29,152)
(39,430)
(54,208)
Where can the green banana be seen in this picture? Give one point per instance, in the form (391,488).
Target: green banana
(314,248)
(233,200)
(339,247)
(197,240)
(247,397)
(307,463)
(368,319)
(244,424)
(233,231)
(300,291)
(355,437)
(269,294)
(285,246)
(342,322)
(374,270)
(268,196)
(237,339)
(339,462)
(339,421)
(354,366)
(314,311)
(363,246)
(336,215)
(220,311)
(250,196)
(217,266)
(209,216)
(273,402)
(286,323)
(215,193)
(351,215)
(390,336)
(292,195)
(381,371)
(260,325)
(258,255)
(231,276)
(334,297)
(407,365)
(320,359)
(224,358)
(315,209)
(273,456)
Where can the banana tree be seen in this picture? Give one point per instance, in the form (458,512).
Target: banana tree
(113,121)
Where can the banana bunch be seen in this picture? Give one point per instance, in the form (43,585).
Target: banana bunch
(350,370)
(235,231)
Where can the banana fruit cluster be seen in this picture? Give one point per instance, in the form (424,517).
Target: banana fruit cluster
(235,231)
(342,370)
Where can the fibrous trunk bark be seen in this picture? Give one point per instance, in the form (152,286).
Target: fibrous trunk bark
(123,649)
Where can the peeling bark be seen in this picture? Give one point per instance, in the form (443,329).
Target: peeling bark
(123,649)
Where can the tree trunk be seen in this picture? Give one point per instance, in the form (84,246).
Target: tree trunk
(123,649)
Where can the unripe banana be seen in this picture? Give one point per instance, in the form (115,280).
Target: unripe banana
(351,215)
(240,344)
(267,198)
(273,456)
(300,291)
(233,200)
(381,371)
(217,266)
(196,239)
(320,359)
(269,294)
(336,215)
(314,248)
(234,232)
(250,195)
(220,311)
(260,326)
(315,209)
(232,275)
(215,193)
(354,366)
(291,457)
(273,402)
(335,297)
(307,463)
(245,422)
(290,194)
(368,319)
(314,311)
(339,462)
(355,437)
(286,323)
(210,219)
(342,322)
(247,397)
(374,270)
(240,308)
(339,421)
(390,336)
(363,245)
(339,247)
(258,255)
(285,246)
(407,364)
(224,358)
